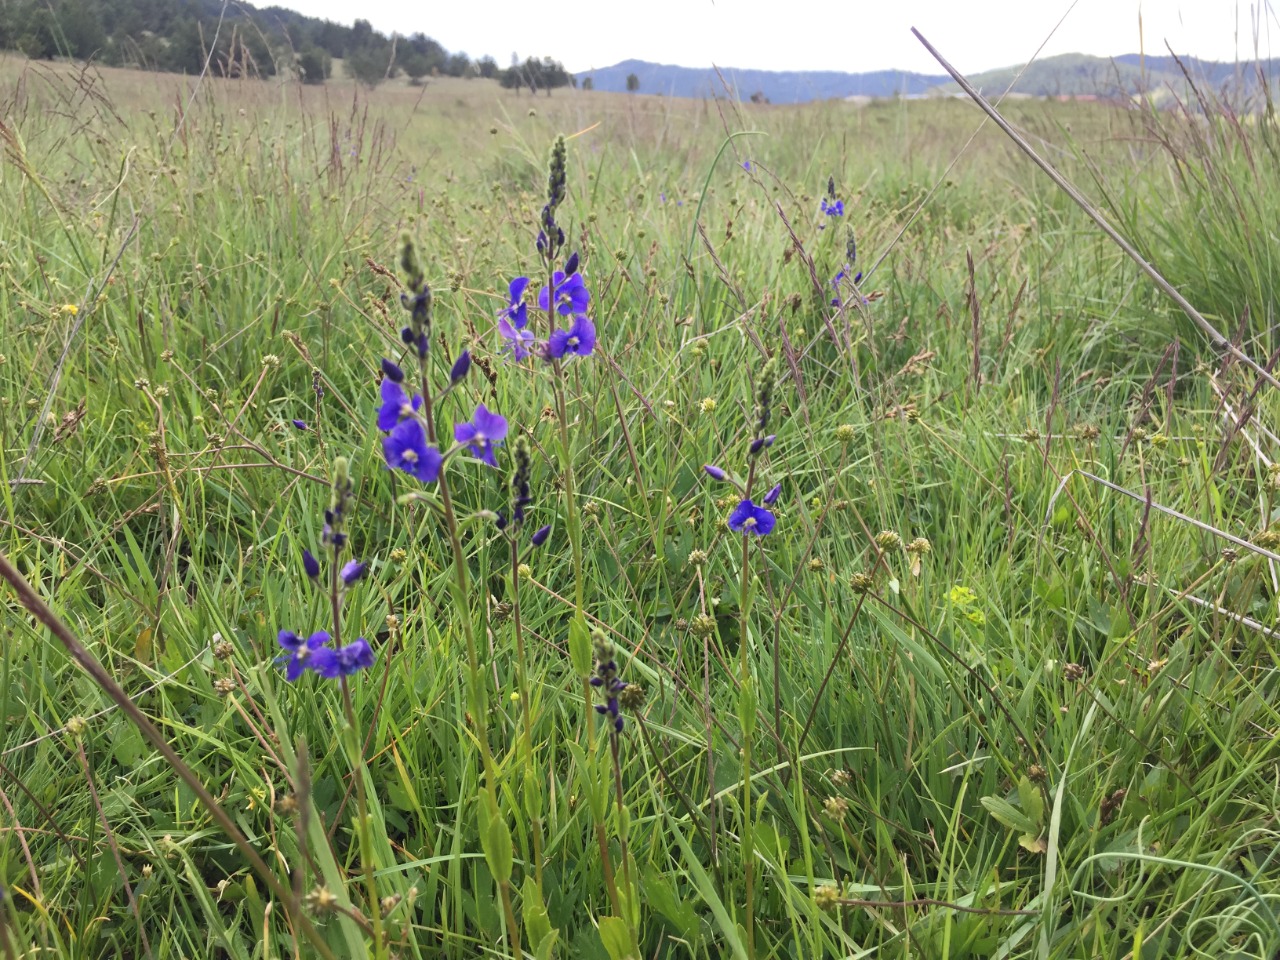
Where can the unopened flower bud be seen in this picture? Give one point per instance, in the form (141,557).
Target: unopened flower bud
(714,472)
(352,571)
(540,535)
(392,371)
(310,564)
(461,367)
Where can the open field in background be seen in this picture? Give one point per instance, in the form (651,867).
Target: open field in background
(1063,718)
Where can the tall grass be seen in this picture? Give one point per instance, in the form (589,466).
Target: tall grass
(1051,735)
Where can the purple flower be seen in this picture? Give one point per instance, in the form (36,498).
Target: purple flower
(749,518)
(405,448)
(714,472)
(579,339)
(344,661)
(516,312)
(518,341)
(540,535)
(746,165)
(569,292)
(300,652)
(772,496)
(840,277)
(300,424)
(761,443)
(352,571)
(832,207)
(481,433)
(396,404)
(310,564)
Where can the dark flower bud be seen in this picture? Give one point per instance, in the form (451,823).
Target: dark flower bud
(352,571)
(714,472)
(300,424)
(391,370)
(501,521)
(772,496)
(571,265)
(406,335)
(310,564)
(540,535)
(461,367)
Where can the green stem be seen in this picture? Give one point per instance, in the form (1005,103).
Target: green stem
(362,823)
(522,673)
(477,701)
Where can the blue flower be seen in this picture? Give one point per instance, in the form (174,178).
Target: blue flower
(481,433)
(310,564)
(352,571)
(746,165)
(300,652)
(833,207)
(840,277)
(714,472)
(405,448)
(518,341)
(396,404)
(344,661)
(579,339)
(300,424)
(772,496)
(569,292)
(516,312)
(540,535)
(749,518)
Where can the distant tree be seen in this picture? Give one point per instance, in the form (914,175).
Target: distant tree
(315,65)
(370,64)
(81,29)
(487,67)
(588,83)
(545,74)
(36,35)
(633,83)
(457,65)
(759,97)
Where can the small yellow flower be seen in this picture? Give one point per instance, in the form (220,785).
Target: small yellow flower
(961,597)
(70,309)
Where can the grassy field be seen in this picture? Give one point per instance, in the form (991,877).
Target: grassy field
(979,693)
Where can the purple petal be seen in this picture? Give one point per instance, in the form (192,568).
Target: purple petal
(289,640)
(741,514)
(352,571)
(492,425)
(517,288)
(764,521)
(557,343)
(464,432)
(325,662)
(585,331)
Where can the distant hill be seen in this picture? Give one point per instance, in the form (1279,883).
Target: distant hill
(777,86)
(1070,74)
(1077,74)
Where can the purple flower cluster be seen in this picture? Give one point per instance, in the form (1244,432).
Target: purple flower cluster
(606,681)
(566,296)
(315,654)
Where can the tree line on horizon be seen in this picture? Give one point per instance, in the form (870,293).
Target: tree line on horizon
(181,36)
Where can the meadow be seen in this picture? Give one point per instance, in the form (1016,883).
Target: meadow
(998,679)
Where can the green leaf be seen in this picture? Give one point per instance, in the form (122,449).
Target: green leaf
(537,925)
(616,938)
(495,838)
(580,646)
(1008,815)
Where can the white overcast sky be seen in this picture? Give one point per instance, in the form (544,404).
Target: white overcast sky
(845,35)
